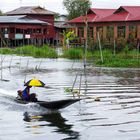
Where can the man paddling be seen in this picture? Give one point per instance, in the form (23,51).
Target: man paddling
(26,96)
(26,93)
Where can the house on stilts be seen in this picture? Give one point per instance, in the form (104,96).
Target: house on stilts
(27,25)
(120,25)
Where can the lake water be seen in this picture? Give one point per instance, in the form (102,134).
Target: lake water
(115,117)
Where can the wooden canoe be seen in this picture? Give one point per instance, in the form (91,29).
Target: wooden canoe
(53,105)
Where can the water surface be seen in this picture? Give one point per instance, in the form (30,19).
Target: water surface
(115,116)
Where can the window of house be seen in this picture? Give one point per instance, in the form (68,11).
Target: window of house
(44,31)
(109,32)
(132,32)
(19,31)
(90,32)
(100,31)
(38,30)
(12,30)
(81,32)
(3,30)
(28,31)
(6,30)
(121,31)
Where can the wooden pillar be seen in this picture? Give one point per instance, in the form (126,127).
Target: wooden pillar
(104,32)
(138,31)
(94,33)
(126,32)
(76,31)
(85,32)
(115,32)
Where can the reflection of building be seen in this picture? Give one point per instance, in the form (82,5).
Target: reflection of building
(27,25)
(122,24)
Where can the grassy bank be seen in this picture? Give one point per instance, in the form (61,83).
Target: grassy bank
(122,59)
(38,52)
(73,53)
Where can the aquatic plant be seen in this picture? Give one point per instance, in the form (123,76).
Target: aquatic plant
(73,53)
(30,50)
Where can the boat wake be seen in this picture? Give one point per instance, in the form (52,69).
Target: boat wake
(8,103)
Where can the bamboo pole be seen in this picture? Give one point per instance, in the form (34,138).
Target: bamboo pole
(80,85)
(2,59)
(74,84)
(100,47)
(1,66)
(114,47)
(26,69)
(85,52)
(10,62)
(20,58)
(40,64)
(138,49)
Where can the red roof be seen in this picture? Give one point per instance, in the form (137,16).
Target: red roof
(82,19)
(103,12)
(93,15)
(124,13)
(134,10)
(136,18)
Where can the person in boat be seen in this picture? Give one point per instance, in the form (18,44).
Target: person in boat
(26,93)
(19,94)
(33,97)
(26,96)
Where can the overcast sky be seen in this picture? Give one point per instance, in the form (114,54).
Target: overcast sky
(57,6)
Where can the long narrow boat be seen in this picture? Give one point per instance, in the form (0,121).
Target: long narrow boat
(53,105)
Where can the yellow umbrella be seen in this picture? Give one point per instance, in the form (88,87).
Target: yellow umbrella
(35,83)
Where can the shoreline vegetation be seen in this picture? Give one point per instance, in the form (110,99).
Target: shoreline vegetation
(30,50)
(127,59)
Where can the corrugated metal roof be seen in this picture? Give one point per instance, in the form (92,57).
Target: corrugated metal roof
(61,25)
(102,12)
(93,16)
(30,10)
(123,13)
(20,19)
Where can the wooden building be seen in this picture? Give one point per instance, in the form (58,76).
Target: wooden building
(22,30)
(60,28)
(120,25)
(27,25)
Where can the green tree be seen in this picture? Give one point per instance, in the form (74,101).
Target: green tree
(1,13)
(68,36)
(76,8)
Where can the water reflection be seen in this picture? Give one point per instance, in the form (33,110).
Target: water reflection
(55,119)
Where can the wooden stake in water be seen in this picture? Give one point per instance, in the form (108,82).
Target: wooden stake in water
(20,58)
(100,47)
(2,59)
(85,52)
(11,62)
(80,85)
(26,69)
(74,84)
(40,64)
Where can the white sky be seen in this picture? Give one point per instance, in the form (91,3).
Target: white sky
(57,6)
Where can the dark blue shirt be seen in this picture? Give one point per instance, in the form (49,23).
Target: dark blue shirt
(25,94)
